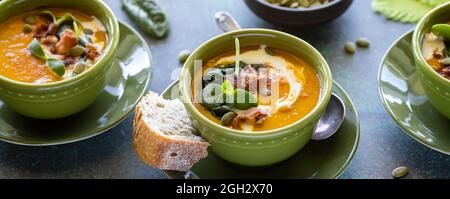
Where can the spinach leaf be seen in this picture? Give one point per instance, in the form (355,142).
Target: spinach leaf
(57,66)
(148,15)
(36,49)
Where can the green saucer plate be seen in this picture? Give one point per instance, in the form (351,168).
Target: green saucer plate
(404,98)
(128,81)
(318,159)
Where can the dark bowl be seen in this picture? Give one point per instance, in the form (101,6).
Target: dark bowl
(298,16)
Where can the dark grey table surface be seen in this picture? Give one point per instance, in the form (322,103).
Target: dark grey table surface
(383,145)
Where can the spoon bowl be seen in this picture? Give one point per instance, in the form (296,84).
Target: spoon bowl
(331,120)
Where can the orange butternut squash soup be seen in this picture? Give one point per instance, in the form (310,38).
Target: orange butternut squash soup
(270,89)
(49,45)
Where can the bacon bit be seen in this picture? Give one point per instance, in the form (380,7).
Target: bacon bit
(248,77)
(52,28)
(40,30)
(445,72)
(92,51)
(67,41)
(250,116)
(69,61)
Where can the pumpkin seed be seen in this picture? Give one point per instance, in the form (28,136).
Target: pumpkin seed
(88,31)
(269,51)
(27,28)
(441,30)
(350,48)
(228,118)
(285,2)
(184,55)
(400,172)
(294,5)
(363,42)
(77,51)
(304,3)
(79,68)
(221,111)
(244,100)
(29,20)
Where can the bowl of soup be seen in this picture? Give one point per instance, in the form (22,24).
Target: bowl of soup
(431,42)
(256,95)
(298,12)
(55,55)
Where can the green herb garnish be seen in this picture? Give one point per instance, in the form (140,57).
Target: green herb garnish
(56,65)
(238,52)
(227,87)
(36,49)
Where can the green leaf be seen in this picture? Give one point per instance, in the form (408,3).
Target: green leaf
(227,87)
(408,11)
(57,66)
(238,53)
(36,49)
(244,100)
(49,13)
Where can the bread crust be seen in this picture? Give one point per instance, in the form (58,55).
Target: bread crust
(163,152)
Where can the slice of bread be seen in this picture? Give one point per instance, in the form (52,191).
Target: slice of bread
(164,136)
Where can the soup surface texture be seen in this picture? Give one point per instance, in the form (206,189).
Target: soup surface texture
(77,48)
(285,86)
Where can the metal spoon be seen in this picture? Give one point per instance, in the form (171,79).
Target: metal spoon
(334,115)
(331,120)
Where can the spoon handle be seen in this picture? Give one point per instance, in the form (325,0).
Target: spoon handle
(226,22)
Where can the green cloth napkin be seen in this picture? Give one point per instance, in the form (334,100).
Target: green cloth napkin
(407,11)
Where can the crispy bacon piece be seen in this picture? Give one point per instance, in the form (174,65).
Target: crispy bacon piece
(69,61)
(40,30)
(52,28)
(251,80)
(250,116)
(68,40)
(248,79)
(92,52)
(445,72)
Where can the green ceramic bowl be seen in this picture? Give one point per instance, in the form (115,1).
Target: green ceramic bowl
(262,148)
(437,88)
(63,98)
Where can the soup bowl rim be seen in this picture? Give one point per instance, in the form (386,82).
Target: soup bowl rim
(319,107)
(113,42)
(417,44)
